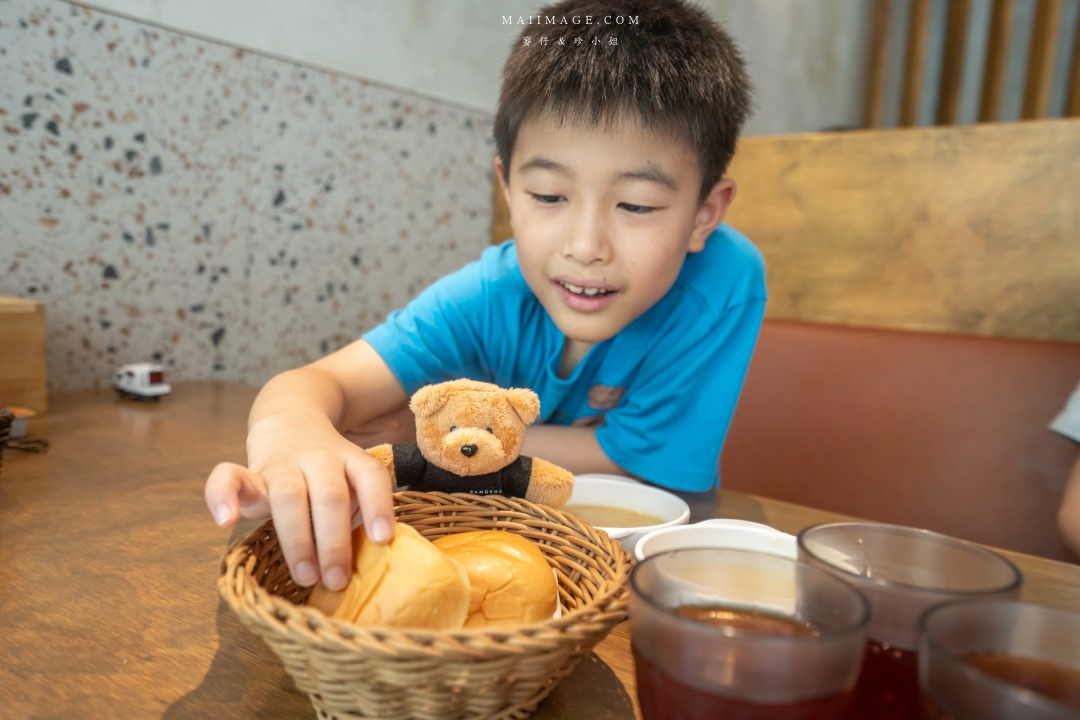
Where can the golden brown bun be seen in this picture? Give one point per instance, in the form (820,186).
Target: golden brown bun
(511,582)
(406,583)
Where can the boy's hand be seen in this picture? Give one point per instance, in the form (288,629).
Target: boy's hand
(303,473)
(306,476)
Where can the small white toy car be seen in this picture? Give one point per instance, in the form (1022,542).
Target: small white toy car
(141,381)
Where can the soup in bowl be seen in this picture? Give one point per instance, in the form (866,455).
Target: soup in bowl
(624,508)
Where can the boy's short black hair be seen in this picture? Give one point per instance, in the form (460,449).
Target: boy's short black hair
(671,67)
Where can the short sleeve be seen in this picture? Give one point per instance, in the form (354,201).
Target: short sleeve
(671,425)
(1068,422)
(437,336)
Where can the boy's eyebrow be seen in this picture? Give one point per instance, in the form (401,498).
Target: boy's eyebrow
(650,173)
(542,163)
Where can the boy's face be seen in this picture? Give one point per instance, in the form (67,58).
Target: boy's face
(603,220)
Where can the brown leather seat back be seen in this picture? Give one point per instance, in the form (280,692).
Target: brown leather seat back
(944,432)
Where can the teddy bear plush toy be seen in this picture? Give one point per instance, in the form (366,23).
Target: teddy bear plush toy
(468,439)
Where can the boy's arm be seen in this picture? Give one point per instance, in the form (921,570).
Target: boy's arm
(1069,513)
(574,448)
(303,473)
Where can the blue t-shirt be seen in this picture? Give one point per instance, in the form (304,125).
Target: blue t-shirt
(661,392)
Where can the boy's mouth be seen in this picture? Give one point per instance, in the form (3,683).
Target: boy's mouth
(584,299)
(584,291)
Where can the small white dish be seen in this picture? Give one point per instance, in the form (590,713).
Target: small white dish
(718,533)
(17,431)
(629,494)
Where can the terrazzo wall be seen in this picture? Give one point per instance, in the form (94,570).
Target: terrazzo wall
(226,214)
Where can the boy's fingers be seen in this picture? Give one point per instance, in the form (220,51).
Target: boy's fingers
(232,489)
(328,493)
(292,521)
(371,482)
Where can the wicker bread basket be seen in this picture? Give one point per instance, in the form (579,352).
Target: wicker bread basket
(400,674)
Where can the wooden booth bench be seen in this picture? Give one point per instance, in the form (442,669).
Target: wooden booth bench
(923,325)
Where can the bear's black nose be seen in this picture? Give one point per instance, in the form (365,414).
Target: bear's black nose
(468,450)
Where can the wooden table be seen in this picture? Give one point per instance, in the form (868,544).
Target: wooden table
(108,567)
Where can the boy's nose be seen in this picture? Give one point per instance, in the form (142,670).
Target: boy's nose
(468,450)
(588,242)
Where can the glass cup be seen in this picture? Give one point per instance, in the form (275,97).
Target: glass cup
(773,638)
(999,661)
(902,572)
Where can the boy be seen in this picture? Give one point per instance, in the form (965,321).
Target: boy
(622,301)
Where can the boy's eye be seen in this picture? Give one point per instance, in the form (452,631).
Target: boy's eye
(636,209)
(547,199)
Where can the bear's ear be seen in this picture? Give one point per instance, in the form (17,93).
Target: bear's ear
(525,403)
(428,400)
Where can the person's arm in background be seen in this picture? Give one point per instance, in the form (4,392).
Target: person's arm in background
(304,473)
(1069,513)
(574,448)
(1067,424)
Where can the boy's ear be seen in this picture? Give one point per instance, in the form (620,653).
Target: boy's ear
(711,213)
(427,401)
(525,403)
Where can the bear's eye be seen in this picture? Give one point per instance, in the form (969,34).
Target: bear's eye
(453,428)
(491,431)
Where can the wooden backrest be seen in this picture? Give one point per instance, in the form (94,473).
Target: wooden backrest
(971,229)
(500,215)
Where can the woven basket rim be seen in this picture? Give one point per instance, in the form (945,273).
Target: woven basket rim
(352,635)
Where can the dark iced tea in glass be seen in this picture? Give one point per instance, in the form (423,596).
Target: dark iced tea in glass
(735,634)
(1000,661)
(931,710)
(662,696)
(1056,682)
(888,687)
(902,571)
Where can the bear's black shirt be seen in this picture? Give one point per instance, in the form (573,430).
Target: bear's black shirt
(413,470)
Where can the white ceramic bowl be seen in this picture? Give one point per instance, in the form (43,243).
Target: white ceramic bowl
(720,533)
(629,494)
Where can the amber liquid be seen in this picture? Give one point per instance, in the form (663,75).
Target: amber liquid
(663,697)
(746,620)
(612,517)
(888,686)
(1060,684)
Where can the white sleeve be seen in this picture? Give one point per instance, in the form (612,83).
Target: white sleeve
(1068,422)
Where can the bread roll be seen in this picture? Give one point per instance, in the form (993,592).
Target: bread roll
(511,582)
(406,583)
